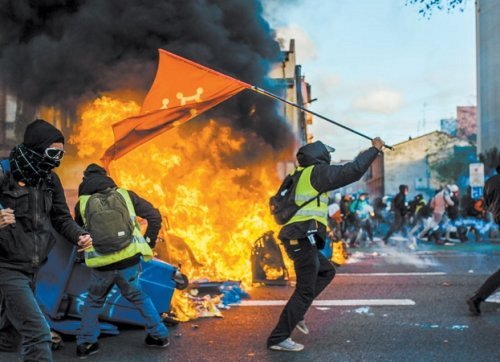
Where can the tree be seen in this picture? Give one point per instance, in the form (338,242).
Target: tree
(426,7)
(491,159)
(448,170)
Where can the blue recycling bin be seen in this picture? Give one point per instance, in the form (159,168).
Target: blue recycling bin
(63,282)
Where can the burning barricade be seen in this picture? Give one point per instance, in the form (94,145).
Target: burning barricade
(212,210)
(268,266)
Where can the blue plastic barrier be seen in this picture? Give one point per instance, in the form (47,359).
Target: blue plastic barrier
(63,282)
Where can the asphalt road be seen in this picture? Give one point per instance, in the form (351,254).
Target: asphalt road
(431,324)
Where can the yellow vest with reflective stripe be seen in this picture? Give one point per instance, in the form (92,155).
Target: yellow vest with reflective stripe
(138,245)
(304,192)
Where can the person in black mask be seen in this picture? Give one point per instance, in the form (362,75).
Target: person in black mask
(32,202)
(305,233)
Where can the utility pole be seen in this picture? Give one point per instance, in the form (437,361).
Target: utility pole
(424,106)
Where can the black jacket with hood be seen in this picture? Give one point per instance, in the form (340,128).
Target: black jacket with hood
(398,204)
(325,178)
(40,210)
(96,180)
(492,195)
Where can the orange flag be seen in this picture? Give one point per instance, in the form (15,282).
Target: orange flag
(182,90)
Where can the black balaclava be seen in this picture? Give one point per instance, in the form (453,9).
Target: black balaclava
(27,160)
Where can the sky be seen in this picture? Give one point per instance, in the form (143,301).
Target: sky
(379,66)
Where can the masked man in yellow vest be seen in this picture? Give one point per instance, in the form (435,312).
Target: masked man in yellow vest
(121,267)
(305,233)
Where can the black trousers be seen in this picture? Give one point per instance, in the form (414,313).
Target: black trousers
(314,272)
(396,225)
(489,286)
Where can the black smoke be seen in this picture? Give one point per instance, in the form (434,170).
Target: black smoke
(63,52)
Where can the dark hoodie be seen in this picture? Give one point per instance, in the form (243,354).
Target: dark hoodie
(492,195)
(399,202)
(95,180)
(39,207)
(325,178)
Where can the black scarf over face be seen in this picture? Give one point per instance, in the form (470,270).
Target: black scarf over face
(30,166)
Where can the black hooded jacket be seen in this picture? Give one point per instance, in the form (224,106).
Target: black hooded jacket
(492,196)
(398,204)
(96,180)
(324,178)
(39,210)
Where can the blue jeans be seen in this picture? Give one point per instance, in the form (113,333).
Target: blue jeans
(127,280)
(22,321)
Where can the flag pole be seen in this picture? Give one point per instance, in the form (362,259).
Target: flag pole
(271,95)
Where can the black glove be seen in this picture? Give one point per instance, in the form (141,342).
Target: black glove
(151,243)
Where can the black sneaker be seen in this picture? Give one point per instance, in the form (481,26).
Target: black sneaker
(151,341)
(86,349)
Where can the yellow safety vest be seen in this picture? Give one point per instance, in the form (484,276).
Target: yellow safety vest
(138,245)
(304,192)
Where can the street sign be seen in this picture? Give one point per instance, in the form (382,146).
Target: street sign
(420,183)
(476,192)
(476,174)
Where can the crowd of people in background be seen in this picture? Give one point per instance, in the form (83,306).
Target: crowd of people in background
(450,216)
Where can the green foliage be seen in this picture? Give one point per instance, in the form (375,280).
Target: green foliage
(426,7)
(491,160)
(448,170)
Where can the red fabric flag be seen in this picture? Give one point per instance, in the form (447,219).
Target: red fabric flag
(182,90)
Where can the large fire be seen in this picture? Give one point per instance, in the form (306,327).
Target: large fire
(212,212)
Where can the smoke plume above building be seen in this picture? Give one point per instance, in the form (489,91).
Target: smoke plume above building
(64,52)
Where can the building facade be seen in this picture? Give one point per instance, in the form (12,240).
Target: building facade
(288,74)
(7,122)
(412,163)
(488,73)
(449,125)
(467,123)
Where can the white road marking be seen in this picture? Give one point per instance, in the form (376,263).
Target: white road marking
(331,303)
(391,274)
(495,298)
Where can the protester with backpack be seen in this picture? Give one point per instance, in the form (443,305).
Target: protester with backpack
(32,204)
(109,214)
(304,233)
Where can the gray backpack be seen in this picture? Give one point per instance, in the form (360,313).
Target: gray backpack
(108,221)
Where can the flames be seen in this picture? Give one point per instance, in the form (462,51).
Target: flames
(212,211)
(273,273)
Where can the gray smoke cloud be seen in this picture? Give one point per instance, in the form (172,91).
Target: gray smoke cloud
(61,52)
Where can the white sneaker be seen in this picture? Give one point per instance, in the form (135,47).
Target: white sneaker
(301,326)
(288,345)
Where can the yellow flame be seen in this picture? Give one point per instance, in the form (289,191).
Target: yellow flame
(214,211)
(182,307)
(93,133)
(273,273)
